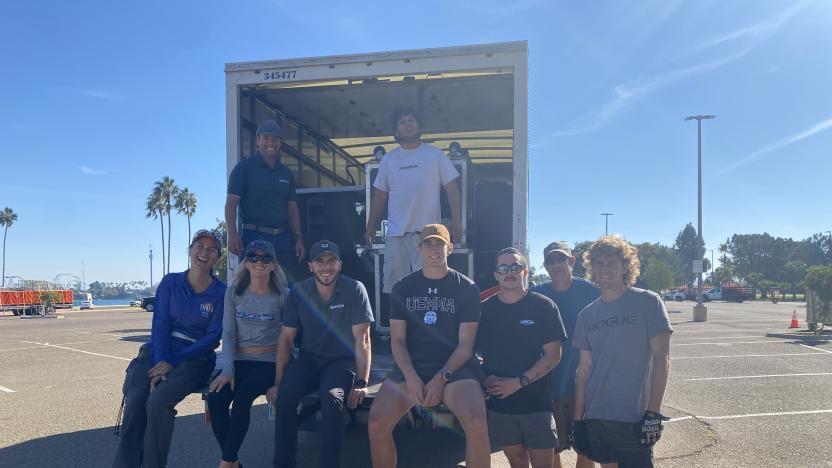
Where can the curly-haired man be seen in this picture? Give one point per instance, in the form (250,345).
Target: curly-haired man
(624,341)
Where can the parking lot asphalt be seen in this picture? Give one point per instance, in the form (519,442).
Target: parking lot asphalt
(736,397)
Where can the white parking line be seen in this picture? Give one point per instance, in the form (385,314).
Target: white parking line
(712,337)
(758,415)
(732,343)
(815,348)
(20,349)
(6,389)
(757,376)
(676,358)
(751,415)
(729,330)
(76,350)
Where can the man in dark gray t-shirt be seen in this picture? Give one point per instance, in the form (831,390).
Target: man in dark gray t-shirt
(624,341)
(330,316)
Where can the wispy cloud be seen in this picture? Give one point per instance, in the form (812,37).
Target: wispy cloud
(91,171)
(103,94)
(756,154)
(759,31)
(627,93)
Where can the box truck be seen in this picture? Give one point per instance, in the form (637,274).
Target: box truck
(335,117)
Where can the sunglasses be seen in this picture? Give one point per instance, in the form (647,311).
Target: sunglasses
(514,268)
(259,258)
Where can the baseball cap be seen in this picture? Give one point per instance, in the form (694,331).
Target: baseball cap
(437,231)
(206,233)
(323,246)
(557,246)
(269,126)
(261,245)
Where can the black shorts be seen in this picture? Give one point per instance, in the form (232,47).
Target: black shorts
(427,371)
(617,442)
(564,411)
(531,430)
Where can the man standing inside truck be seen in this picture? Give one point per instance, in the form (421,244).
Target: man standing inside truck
(264,190)
(408,184)
(434,316)
(571,295)
(330,316)
(623,338)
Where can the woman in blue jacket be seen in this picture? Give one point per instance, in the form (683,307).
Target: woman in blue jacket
(187,324)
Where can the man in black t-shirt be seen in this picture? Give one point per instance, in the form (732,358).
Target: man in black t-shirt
(330,315)
(433,325)
(519,339)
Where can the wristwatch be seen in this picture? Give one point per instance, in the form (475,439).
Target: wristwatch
(360,383)
(446,375)
(523,380)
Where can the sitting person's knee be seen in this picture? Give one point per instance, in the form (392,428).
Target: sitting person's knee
(156,403)
(379,423)
(336,394)
(473,421)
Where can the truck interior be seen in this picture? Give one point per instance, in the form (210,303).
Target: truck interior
(332,129)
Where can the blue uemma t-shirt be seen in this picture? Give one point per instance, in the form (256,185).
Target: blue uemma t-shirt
(570,303)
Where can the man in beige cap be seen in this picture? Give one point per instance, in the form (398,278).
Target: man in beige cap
(434,315)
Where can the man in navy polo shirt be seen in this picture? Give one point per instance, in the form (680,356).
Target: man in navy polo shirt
(330,316)
(264,190)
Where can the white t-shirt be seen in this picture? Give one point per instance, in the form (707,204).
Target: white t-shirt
(413,179)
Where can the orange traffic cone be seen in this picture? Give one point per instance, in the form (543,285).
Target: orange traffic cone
(794,323)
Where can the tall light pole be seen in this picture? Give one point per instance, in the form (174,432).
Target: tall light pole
(150,248)
(700,312)
(607,222)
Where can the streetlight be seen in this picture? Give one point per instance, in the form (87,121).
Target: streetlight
(700,312)
(607,222)
(150,248)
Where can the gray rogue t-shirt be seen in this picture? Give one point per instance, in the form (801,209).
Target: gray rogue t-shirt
(618,335)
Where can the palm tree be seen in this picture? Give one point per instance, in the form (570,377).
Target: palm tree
(7,218)
(167,191)
(153,207)
(186,204)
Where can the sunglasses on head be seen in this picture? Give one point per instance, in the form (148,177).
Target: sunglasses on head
(259,258)
(514,268)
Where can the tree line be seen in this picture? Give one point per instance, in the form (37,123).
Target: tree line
(756,260)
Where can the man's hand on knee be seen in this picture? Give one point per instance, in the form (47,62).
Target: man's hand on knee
(415,390)
(434,391)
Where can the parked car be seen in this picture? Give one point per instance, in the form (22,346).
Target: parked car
(136,303)
(86,305)
(732,294)
(675,296)
(148,303)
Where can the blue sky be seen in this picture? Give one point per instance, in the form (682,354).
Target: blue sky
(100,99)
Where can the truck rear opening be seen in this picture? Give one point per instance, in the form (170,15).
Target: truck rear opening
(335,112)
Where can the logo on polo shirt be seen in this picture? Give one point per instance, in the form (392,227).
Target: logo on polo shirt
(284,181)
(527,323)
(433,290)
(431,317)
(336,306)
(206,309)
